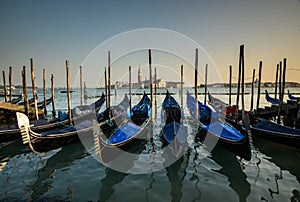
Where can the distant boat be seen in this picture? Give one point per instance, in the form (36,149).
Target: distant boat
(30,101)
(291,97)
(271,100)
(80,110)
(65,91)
(40,105)
(16,100)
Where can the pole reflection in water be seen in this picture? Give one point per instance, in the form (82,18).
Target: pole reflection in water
(63,159)
(107,184)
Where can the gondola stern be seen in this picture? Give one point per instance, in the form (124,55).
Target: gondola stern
(24,125)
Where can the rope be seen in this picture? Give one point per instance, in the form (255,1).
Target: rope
(293,69)
(246,78)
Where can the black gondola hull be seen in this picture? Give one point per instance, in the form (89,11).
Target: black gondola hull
(282,138)
(240,148)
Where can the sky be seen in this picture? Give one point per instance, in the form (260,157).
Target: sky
(52,32)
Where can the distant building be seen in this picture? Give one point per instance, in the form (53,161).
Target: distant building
(140,77)
(173,84)
(160,83)
(267,84)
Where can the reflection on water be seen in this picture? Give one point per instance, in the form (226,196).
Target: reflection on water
(71,173)
(234,172)
(45,176)
(281,155)
(296,196)
(12,149)
(112,178)
(176,173)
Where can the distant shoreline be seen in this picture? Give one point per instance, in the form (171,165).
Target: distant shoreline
(213,85)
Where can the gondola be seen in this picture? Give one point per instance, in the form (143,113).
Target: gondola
(276,132)
(16,100)
(212,129)
(40,105)
(173,132)
(83,109)
(30,101)
(12,132)
(129,136)
(271,100)
(271,130)
(291,97)
(220,105)
(49,140)
(223,108)
(65,91)
(228,112)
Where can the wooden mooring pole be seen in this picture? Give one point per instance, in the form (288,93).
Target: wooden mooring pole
(230,77)
(276,81)
(44,91)
(252,90)
(26,105)
(282,91)
(52,94)
(34,90)
(130,88)
(243,82)
(4,86)
(196,84)
(205,88)
(68,92)
(150,75)
(85,95)
(80,72)
(283,79)
(108,101)
(238,86)
(280,77)
(10,83)
(259,83)
(105,85)
(155,83)
(151,91)
(181,87)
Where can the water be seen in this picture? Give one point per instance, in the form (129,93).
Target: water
(71,173)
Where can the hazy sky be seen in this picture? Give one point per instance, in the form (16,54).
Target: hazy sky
(53,31)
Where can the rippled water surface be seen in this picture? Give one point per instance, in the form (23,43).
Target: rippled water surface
(71,173)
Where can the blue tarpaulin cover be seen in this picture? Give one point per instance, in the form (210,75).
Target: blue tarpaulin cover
(124,133)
